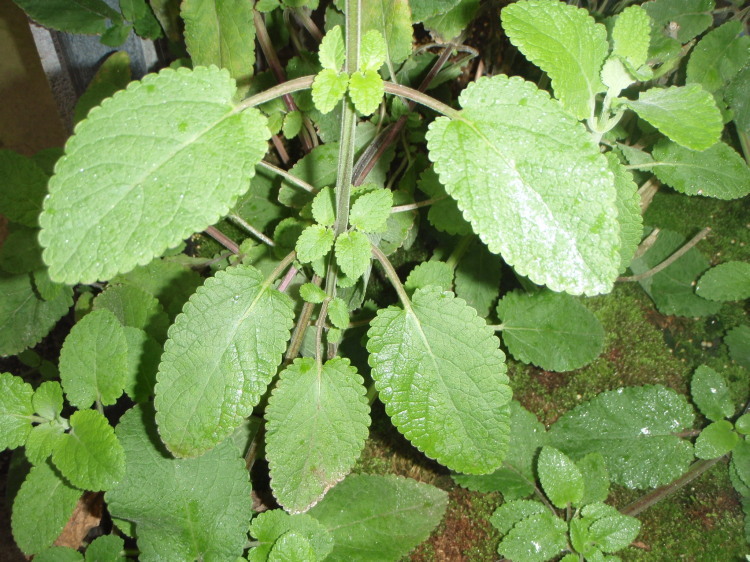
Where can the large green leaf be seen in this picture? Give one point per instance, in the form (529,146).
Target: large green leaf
(183,509)
(221,354)
(221,33)
(81,16)
(451,23)
(542,196)
(155,163)
(552,330)
(15,411)
(317,419)
(719,56)
(684,19)
(379,518)
(24,188)
(686,114)
(566,43)
(442,378)
(635,431)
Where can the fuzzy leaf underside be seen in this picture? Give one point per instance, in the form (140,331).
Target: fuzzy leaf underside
(221,354)
(540,195)
(183,509)
(634,430)
(375,518)
(566,43)
(163,159)
(317,420)
(438,369)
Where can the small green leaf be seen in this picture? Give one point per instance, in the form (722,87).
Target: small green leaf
(353,253)
(718,56)
(614,532)
(328,88)
(552,330)
(560,477)
(710,393)
(134,307)
(716,440)
(444,213)
(107,548)
(392,19)
(615,76)
(370,211)
(379,517)
(16,410)
(631,36)
(312,293)
(84,16)
(144,354)
(292,124)
(41,508)
(366,91)
(428,380)
(116,34)
(140,14)
(20,252)
(48,400)
(729,281)
(595,478)
(566,43)
(738,342)
(338,313)
(324,207)
(686,114)
(685,19)
(423,9)
(24,188)
(372,51)
(477,278)
(269,526)
(507,515)
(450,24)
(317,422)
(433,272)
(314,243)
(742,424)
(93,360)
(332,52)
(535,539)
(43,440)
(291,547)
(737,95)
(113,75)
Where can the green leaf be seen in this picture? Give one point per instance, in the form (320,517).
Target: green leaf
(144,354)
(641,449)
(477,278)
(291,547)
(366,91)
(615,76)
(113,75)
(423,9)
(116,34)
(269,526)
(292,124)
(436,273)
(631,36)
(718,56)
(614,531)
(324,207)
(372,51)
(543,198)
(314,243)
(710,393)
(93,360)
(221,33)
(317,420)
(561,479)
(338,313)
(90,456)
(552,330)
(83,16)
(742,424)
(686,114)
(740,465)
(24,188)
(729,281)
(450,24)
(507,515)
(716,440)
(685,19)
(41,509)
(392,19)
(15,411)
(136,308)
(20,252)
(221,354)
(328,88)
(43,440)
(370,211)
(59,554)
(48,400)
(311,293)
(140,14)
(738,342)
(428,380)
(374,518)
(107,548)
(353,253)
(737,95)
(628,211)
(595,478)
(566,43)
(535,539)
(444,213)
(157,162)
(183,509)
(332,52)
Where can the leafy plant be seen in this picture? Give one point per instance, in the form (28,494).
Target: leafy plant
(172,383)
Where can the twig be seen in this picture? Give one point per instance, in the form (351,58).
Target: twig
(250,229)
(222,239)
(417,205)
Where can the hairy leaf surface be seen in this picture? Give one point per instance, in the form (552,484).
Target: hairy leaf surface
(628,211)
(631,36)
(15,411)
(710,392)
(269,526)
(542,196)
(560,477)
(155,163)
(221,354)
(432,363)
(392,18)
(716,439)
(549,532)
(728,281)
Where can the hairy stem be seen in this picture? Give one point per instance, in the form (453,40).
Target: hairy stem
(250,229)
(390,272)
(670,260)
(289,177)
(222,239)
(417,205)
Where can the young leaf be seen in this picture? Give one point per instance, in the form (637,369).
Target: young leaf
(134,307)
(719,56)
(366,91)
(43,440)
(628,211)
(566,43)
(314,243)
(90,456)
(93,360)
(370,211)
(392,19)
(86,16)
(641,450)
(311,293)
(324,207)
(106,548)
(595,478)
(608,529)
(338,313)
(210,494)
(317,425)
(41,508)
(507,515)
(328,88)
(353,253)
(171,158)
(379,517)
(716,440)
(24,188)
(292,124)
(685,18)
(738,342)
(15,411)
(269,526)
(535,539)
(710,393)
(48,400)
(372,51)
(332,52)
(220,356)
(543,199)
(428,381)
(686,114)
(631,36)
(615,76)
(729,281)
(560,477)
(552,330)
(221,33)
(433,272)
(292,546)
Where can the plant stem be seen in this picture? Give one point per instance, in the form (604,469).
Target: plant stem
(320,324)
(390,272)
(649,241)
(250,229)
(286,175)
(300,328)
(460,249)
(289,87)
(222,239)
(283,264)
(417,205)
(306,21)
(424,99)
(287,280)
(670,260)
